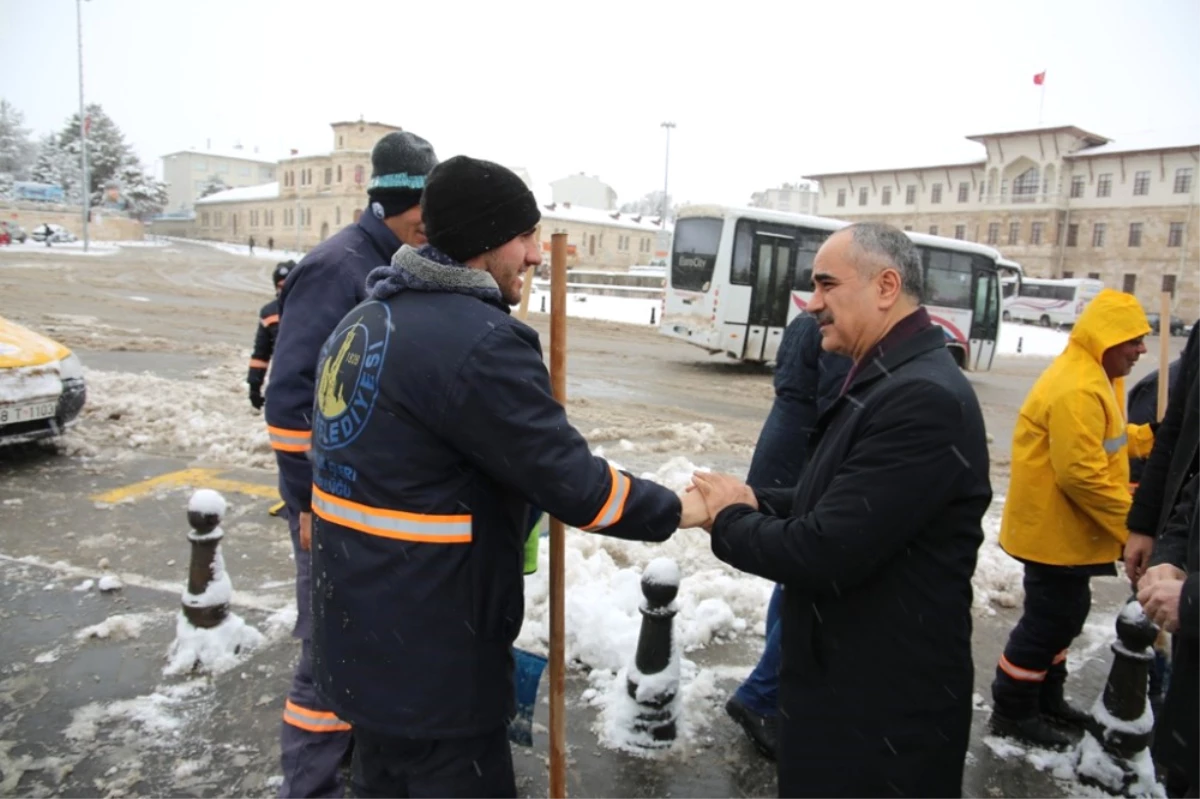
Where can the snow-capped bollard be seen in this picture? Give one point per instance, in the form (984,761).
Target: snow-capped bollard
(1113,753)
(207,635)
(206,604)
(653,677)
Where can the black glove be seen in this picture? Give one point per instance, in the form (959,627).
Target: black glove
(256,397)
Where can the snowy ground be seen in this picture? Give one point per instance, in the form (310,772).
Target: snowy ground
(1033,340)
(260,249)
(76,247)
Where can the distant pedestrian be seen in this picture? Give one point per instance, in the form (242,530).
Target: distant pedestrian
(264,338)
(271,243)
(252,245)
(49,231)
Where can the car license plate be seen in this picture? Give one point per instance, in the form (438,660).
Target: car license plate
(12,414)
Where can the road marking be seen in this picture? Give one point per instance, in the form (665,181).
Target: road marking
(186,478)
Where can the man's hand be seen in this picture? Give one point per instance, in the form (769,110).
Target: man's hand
(306,530)
(1161,602)
(695,511)
(256,397)
(1137,555)
(722,490)
(1156,574)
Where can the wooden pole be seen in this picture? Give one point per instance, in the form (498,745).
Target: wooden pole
(1164,355)
(526,287)
(558,382)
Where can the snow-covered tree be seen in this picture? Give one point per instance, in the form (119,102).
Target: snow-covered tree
(57,167)
(214,185)
(145,195)
(17,150)
(108,152)
(651,205)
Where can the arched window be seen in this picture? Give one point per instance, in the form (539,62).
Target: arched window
(1027,185)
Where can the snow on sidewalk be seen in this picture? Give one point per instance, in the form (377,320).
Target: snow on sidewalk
(1038,341)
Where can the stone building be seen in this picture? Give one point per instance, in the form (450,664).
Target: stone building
(1060,201)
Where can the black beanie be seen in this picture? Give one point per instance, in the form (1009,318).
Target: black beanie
(470,207)
(400,162)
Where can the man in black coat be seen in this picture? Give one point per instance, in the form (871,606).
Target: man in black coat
(1163,536)
(877,544)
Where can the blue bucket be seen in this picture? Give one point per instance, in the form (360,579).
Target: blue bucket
(526,676)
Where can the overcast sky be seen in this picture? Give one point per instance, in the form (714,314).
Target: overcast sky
(761,92)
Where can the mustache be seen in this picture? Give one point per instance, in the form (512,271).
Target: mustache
(824,318)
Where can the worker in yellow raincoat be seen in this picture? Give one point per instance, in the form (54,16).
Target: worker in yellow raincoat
(1064,516)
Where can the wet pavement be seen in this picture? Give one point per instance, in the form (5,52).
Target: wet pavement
(85,716)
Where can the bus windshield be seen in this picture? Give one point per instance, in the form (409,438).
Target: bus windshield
(695,253)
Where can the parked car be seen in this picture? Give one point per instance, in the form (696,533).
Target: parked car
(42,388)
(15,232)
(1178,326)
(58,233)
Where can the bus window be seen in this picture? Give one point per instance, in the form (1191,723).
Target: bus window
(743,242)
(947,279)
(695,254)
(807,245)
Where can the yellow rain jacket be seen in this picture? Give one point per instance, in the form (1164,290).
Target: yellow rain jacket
(1069,493)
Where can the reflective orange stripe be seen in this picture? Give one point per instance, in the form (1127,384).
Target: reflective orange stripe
(290,440)
(1061,657)
(312,720)
(1018,673)
(426,528)
(270,320)
(613,509)
(255,363)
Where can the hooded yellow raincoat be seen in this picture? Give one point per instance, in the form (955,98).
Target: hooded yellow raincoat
(1069,494)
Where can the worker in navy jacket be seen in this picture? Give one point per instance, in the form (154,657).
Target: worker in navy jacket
(328,282)
(264,337)
(434,431)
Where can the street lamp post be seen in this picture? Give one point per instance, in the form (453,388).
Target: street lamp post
(83,126)
(666,173)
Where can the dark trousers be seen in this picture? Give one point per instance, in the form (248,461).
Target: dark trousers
(1033,668)
(385,765)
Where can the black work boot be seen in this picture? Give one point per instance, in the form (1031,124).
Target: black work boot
(1054,706)
(763,731)
(1029,729)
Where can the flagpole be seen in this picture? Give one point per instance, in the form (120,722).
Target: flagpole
(1042,102)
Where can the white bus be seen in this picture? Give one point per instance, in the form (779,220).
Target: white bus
(737,276)
(1050,303)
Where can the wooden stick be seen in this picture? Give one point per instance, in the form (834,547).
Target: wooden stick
(1164,354)
(526,287)
(558,382)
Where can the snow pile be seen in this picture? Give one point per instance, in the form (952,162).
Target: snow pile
(199,417)
(207,502)
(1040,341)
(1096,764)
(627,310)
(217,649)
(674,437)
(160,716)
(62,248)
(662,571)
(1133,613)
(694,707)
(998,576)
(110,583)
(119,627)
(29,383)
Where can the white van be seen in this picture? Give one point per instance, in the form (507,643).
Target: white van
(1050,303)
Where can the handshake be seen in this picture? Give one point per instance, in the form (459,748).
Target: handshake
(709,494)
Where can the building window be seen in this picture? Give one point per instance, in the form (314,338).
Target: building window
(1072,235)
(862,196)
(1130,284)
(339,142)
(964,192)
(1077,186)
(1135,234)
(1183,180)
(993,236)
(910,195)
(337,215)
(933,230)
(908,227)
(200,165)
(358,174)
(960,231)
(1098,231)
(1141,184)
(204,219)
(935,194)
(328,175)
(1068,274)
(1175,235)
(885,196)
(1168,285)
(1026,186)
(1093,275)
(1035,232)
(339,180)
(841,200)
(1014,232)
(1104,185)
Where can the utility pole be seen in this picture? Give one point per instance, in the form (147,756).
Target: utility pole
(666,172)
(83,125)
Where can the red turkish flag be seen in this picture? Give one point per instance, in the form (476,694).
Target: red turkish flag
(87,125)
(1039,78)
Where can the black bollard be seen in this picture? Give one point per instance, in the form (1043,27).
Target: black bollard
(652,310)
(205,538)
(1020,342)
(543,303)
(653,681)
(1121,722)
